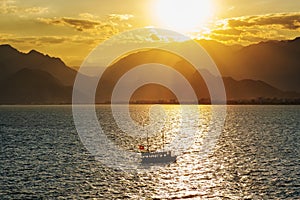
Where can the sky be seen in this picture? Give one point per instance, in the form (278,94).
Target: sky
(71,29)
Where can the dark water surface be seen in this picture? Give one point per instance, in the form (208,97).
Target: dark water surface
(257,157)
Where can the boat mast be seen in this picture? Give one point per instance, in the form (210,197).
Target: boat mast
(147,142)
(147,136)
(163,136)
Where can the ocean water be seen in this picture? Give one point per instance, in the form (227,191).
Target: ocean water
(257,157)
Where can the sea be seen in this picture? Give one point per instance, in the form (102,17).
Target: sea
(256,156)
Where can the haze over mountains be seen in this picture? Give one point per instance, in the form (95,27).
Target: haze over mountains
(264,70)
(275,62)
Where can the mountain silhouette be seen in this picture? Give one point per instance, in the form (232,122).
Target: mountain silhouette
(275,62)
(31,86)
(246,89)
(35,78)
(11,61)
(113,73)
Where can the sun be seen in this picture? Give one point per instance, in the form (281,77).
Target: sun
(183,15)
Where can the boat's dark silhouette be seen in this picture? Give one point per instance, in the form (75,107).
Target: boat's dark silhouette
(163,157)
(160,157)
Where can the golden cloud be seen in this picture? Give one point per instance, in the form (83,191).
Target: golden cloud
(249,29)
(284,20)
(92,24)
(33,40)
(9,7)
(120,17)
(78,24)
(46,40)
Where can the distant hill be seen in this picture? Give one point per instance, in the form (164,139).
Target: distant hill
(275,62)
(242,90)
(35,78)
(31,86)
(115,72)
(11,61)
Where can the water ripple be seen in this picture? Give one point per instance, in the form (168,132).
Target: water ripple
(257,157)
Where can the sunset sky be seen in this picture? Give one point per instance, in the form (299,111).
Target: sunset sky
(71,29)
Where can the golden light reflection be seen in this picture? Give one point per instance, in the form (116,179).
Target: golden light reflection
(183,15)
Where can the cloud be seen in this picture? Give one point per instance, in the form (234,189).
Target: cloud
(121,17)
(7,6)
(36,10)
(93,27)
(154,37)
(284,20)
(72,49)
(107,26)
(249,29)
(12,39)
(45,41)
(89,16)
(10,7)
(78,24)
(229,31)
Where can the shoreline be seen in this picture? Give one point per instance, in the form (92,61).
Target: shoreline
(107,104)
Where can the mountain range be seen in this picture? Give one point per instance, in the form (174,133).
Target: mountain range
(244,90)
(274,62)
(268,71)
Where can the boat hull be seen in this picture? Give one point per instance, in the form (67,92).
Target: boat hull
(157,158)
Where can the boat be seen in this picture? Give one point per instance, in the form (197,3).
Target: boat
(161,157)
